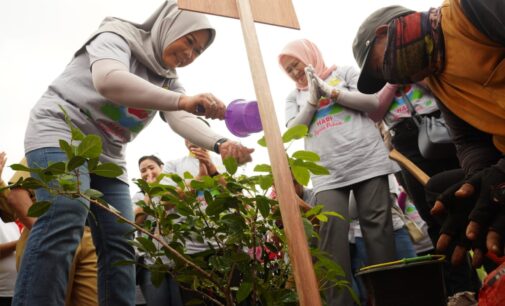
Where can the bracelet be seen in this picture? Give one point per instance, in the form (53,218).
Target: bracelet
(335,93)
(218,144)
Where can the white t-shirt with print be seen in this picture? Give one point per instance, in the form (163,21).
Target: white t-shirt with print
(349,144)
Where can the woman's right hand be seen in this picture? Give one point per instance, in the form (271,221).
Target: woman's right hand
(206,105)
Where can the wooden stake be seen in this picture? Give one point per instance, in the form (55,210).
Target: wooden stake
(305,278)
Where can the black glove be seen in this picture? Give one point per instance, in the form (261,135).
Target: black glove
(486,184)
(454,221)
(457,211)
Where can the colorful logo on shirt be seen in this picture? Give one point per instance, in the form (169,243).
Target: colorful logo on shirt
(124,120)
(327,115)
(400,109)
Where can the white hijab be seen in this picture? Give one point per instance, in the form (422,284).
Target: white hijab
(148,40)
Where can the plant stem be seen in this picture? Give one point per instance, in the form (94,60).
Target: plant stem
(205,295)
(161,241)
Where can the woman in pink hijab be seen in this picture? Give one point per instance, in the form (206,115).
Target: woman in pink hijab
(326,99)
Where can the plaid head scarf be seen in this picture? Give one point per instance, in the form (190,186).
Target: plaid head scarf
(415,47)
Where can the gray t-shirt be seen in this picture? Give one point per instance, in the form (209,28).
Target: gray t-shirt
(88,110)
(347,140)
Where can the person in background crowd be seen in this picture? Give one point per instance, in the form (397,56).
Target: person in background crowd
(168,292)
(9,235)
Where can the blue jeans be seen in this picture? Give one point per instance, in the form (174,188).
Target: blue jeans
(166,294)
(43,275)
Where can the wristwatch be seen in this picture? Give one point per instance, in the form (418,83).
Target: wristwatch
(218,144)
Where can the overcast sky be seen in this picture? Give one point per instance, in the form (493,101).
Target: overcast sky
(39,38)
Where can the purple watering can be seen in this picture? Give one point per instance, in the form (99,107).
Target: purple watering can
(243,118)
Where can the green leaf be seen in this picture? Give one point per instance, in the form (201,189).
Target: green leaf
(38,208)
(108,170)
(143,185)
(208,182)
(235,222)
(316,169)
(308,227)
(243,291)
(93,193)
(231,165)
(156,278)
(32,183)
(67,148)
(176,178)
(56,168)
(68,183)
(322,218)
(90,147)
(334,214)
(215,208)
(75,162)
(208,197)
(76,133)
(197,185)
(92,163)
(183,209)
(19,167)
(147,244)
(314,210)
(234,187)
(266,181)
(263,206)
(188,176)
(306,155)
(301,174)
(262,142)
(263,168)
(296,132)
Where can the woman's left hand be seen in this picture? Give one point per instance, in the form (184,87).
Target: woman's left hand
(236,150)
(206,105)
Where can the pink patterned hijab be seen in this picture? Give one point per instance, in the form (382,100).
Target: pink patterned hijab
(308,53)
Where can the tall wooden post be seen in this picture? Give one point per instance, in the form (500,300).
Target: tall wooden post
(305,278)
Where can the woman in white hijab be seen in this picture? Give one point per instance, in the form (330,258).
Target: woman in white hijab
(113,87)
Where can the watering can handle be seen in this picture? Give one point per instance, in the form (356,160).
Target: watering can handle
(200,109)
